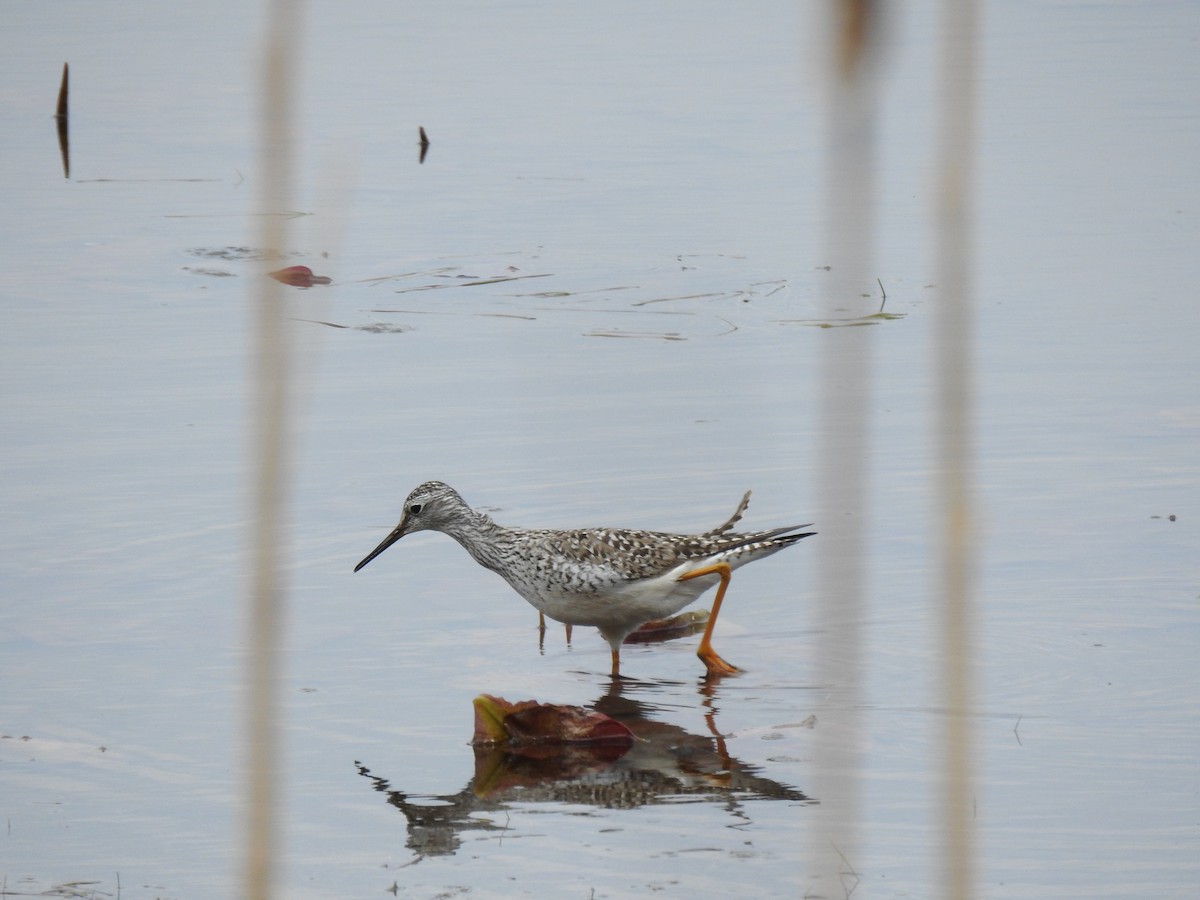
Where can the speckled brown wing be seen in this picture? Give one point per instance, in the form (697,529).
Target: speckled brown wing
(647,554)
(636,554)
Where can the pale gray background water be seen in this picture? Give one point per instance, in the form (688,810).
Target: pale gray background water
(629,155)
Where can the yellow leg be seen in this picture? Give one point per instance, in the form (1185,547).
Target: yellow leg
(714,663)
(616,663)
(542,631)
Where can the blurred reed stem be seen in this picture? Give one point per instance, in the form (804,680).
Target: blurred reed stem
(954,360)
(270,415)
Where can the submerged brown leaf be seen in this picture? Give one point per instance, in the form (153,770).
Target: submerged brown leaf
(682,625)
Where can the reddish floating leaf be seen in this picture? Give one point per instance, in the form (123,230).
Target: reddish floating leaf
(497,721)
(299,276)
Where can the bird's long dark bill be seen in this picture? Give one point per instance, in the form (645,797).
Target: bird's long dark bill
(397,533)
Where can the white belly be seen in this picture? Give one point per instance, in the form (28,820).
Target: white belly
(609,604)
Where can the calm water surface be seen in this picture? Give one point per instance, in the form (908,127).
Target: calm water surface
(650,179)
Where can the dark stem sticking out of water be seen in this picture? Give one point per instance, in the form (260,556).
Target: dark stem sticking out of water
(60,120)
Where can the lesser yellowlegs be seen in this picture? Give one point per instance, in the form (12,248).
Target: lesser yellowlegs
(613,578)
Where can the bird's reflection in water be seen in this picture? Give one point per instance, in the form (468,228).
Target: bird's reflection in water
(665,763)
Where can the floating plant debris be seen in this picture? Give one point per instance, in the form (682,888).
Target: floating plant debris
(299,276)
(499,721)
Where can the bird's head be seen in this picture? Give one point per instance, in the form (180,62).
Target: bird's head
(432,506)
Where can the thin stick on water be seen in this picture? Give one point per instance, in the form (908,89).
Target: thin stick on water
(60,111)
(62,120)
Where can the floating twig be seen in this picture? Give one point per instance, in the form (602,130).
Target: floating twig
(60,120)
(656,335)
(499,279)
(732,328)
(722,294)
(61,111)
(397,277)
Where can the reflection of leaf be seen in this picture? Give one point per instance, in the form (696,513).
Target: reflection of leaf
(497,721)
(662,764)
(501,769)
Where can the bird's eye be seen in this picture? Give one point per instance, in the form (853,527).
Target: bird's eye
(414,509)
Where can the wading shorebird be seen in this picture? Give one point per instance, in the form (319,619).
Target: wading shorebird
(613,578)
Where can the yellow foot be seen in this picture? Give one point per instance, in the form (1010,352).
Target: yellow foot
(715,665)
